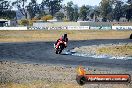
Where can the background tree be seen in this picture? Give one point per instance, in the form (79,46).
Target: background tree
(84,12)
(47,17)
(24,22)
(94,13)
(129,10)
(9,14)
(118,10)
(53,5)
(33,8)
(97,13)
(59,16)
(4,5)
(75,14)
(42,9)
(106,9)
(110,17)
(21,6)
(70,11)
(5,10)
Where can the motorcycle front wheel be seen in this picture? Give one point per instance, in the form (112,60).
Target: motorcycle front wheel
(58,51)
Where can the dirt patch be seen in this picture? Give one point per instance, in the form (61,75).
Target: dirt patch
(18,75)
(115,50)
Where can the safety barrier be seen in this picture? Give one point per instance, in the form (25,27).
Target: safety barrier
(101,27)
(69,28)
(82,28)
(122,27)
(46,28)
(13,28)
(59,28)
(78,27)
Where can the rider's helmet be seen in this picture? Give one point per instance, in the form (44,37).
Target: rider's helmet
(65,36)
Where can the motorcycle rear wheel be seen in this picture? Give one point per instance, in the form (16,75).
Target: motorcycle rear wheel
(56,51)
(60,51)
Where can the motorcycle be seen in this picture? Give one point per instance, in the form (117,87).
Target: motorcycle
(60,48)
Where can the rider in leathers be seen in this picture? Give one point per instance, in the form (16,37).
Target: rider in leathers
(63,39)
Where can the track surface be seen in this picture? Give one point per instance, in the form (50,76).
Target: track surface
(43,52)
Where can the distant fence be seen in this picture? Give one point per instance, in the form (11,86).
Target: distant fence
(59,28)
(69,28)
(81,25)
(82,28)
(13,28)
(77,27)
(122,27)
(46,28)
(101,27)
(95,24)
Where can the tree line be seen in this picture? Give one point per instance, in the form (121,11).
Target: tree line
(108,10)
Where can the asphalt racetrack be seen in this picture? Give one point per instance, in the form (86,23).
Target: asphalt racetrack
(43,52)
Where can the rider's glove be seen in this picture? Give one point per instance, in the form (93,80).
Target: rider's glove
(54,46)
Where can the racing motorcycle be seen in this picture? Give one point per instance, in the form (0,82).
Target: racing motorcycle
(60,48)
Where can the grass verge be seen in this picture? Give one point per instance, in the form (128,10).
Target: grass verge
(52,35)
(119,50)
